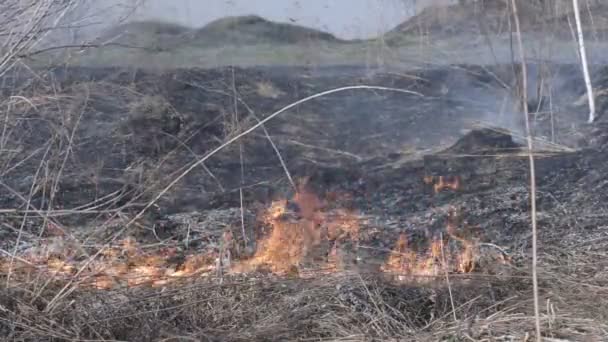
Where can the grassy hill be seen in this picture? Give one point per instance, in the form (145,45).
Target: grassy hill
(437,35)
(248,30)
(150,34)
(243,30)
(493,16)
(243,40)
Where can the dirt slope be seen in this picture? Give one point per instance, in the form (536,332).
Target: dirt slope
(239,31)
(492,17)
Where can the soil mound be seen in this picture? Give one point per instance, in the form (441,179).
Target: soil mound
(241,30)
(493,16)
(485,140)
(147,34)
(252,29)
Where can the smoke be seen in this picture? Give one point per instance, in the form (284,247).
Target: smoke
(490,94)
(363,19)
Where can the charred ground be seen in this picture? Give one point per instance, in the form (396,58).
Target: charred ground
(122,124)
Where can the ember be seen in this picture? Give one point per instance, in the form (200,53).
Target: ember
(443,182)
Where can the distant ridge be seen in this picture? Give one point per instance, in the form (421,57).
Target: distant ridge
(240,30)
(492,16)
(253,28)
(466,17)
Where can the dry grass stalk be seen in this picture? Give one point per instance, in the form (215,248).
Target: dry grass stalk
(524,91)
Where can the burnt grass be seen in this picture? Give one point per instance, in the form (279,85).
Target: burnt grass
(83,147)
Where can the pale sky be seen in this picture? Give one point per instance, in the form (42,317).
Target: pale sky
(343,18)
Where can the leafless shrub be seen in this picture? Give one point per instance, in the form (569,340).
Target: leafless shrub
(25,24)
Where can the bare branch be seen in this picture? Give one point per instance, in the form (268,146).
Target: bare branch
(25,24)
(524,94)
(583,53)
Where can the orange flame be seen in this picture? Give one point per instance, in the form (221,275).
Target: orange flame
(409,263)
(297,238)
(125,265)
(405,261)
(441,183)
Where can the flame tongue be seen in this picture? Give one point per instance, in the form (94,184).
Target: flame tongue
(454,251)
(441,183)
(310,235)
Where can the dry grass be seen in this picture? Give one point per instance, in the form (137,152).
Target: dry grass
(344,306)
(340,306)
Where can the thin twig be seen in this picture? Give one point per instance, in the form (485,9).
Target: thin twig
(28,203)
(524,76)
(263,127)
(68,151)
(325,149)
(447,278)
(237,122)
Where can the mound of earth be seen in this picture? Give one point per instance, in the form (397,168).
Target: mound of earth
(487,140)
(251,30)
(153,27)
(466,17)
(493,17)
(243,30)
(151,34)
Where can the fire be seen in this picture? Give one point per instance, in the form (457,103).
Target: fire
(124,265)
(415,263)
(295,238)
(401,258)
(306,232)
(287,245)
(441,183)
(440,256)
(311,233)
(466,236)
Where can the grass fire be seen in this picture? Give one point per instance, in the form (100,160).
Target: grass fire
(253,180)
